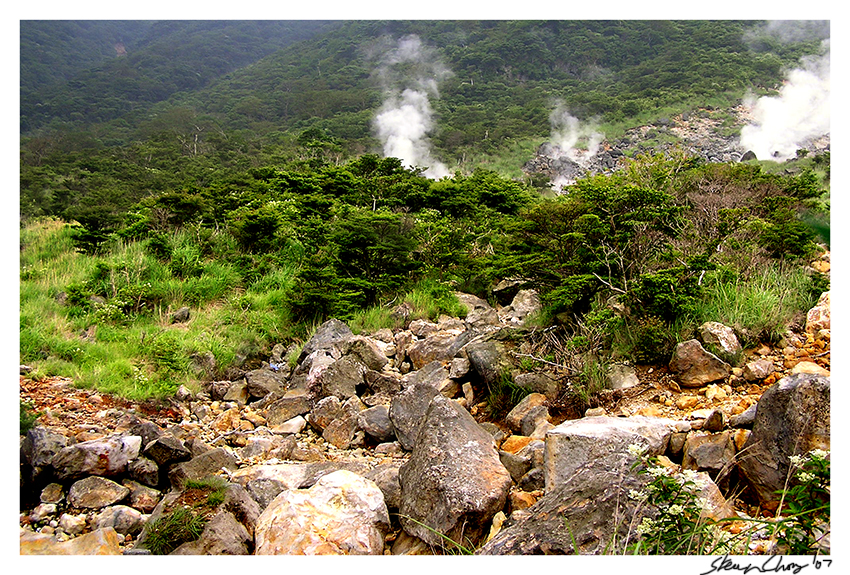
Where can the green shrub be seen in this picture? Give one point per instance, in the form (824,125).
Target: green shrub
(28,417)
(182,525)
(503,395)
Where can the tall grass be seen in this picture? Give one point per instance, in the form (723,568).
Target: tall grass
(760,306)
(128,344)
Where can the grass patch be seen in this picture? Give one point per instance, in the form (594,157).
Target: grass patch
(759,307)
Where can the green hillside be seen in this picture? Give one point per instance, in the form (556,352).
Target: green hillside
(238,169)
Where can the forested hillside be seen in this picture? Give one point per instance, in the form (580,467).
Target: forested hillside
(271,175)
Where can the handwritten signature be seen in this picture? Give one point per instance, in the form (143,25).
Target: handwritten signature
(772,564)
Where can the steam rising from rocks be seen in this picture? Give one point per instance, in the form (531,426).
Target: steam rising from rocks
(784,123)
(409,73)
(567,132)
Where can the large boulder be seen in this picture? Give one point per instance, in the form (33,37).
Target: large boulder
(96,492)
(792,418)
(330,335)
(342,514)
(222,535)
(454,482)
(439,346)
(98,542)
(107,456)
(488,359)
(408,407)
(592,442)
(722,338)
(525,303)
(261,382)
(590,514)
(366,351)
(693,366)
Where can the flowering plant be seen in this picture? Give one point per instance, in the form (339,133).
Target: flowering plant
(806,504)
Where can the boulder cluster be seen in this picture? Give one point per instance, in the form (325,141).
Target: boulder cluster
(370,445)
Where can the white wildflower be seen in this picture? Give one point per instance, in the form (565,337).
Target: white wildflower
(796,460)
(819,454)
(689,475)
(675,509)
(806,477)
(637,495)
(646,527)
(657,471)
(636,450)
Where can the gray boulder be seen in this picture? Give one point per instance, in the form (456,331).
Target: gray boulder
(375,421)
(331,334)
(454,482)
(578,445)
(693,366)
(261,382)
(792,418)
(366,351)
(343,378)
(107,456)
(96,492)
(204,465)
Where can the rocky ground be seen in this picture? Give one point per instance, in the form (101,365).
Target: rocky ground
(399,420)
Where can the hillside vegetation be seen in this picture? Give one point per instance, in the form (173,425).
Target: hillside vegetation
(234,169)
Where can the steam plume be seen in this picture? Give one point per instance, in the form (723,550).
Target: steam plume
(409,73)
(567,131)
(782,124)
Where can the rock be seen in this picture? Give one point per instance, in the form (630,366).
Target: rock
(538,382)
(98,542)
(385,477)
(744,419)
(181,315)
(366,351)
(488,360)
(520,410)
(532,421)
(125,520)
(331,334)
(593,509)
(621,376)
(524,304)
(453,482)
(516,465)
(460,366)
(757,370)
(714,421)
(723,338)
(578,445)
(342,514)
(406,544)
(96,492)
(695,367)
(40,446)
(144,471)
(340,432)
(408,407)
(264,490)
(793,418)
(204,465)
(818,317)
(809,367)
(713,453)
(261,382)
(506,290)
(281,408)
(52,493)
(440,346)
(142,497)
(343,378)
(291,426)
(375,421)
(222,535)
(73,524)
(106,456)
(166,449)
